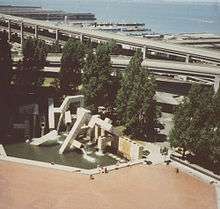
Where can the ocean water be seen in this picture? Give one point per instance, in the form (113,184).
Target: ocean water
(170,17)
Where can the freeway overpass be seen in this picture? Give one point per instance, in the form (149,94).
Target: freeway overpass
(154,64)
(195,71)
(170,66)
(197,41)
(145,45)
(198,72)
(48,40)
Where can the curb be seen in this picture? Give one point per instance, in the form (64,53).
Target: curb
(195,167)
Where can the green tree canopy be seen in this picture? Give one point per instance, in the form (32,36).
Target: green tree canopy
(141,113)
(34,59)
(97,79)
(196,123)
(5,62)
(90,81)
(127,85)
(71,65)
(217,106)
(5,78)
(34,54)
(136,103)
(55,48)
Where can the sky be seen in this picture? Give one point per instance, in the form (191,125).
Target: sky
(186,0)
(152,1)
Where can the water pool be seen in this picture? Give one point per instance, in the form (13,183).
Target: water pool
(73,158)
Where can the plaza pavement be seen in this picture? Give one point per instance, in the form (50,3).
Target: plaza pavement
(141,187)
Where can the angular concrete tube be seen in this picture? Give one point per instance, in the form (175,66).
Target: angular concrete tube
(65,105)
(68,118)
(62,109)
(51,136)
(76,144)
(2,151)
(81,119)
(104,124)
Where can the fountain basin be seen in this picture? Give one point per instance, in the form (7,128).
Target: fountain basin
(49,153)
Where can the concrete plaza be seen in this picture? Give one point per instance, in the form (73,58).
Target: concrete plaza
(142,187)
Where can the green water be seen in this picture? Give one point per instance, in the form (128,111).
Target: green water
(72,158)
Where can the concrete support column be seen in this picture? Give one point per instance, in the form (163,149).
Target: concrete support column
(57,35)
(51,117)
(102,132)
(187,58)
(36,31)
(22,34)
(114,73)
(144,52)
(81,38)
(101,144)
(9,30)
(90,135)
(27,129)
(217,83)
(96,132)
(34,125)
(66,20)
(60,121)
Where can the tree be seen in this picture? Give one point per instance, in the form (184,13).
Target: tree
(202,124)
(215,148)
(5,78)
(113,47)
(177,136)
(29,53)
(71,65)
(5,62)
(215,151)
(217,106)
(195,125)
(104,75)
(55,48)
(34,59)
(141,113)
(90,81)
(97,79)
(40,54)
(127,84)
(136,104)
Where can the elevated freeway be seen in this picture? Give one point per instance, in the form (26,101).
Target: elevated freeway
(196,71)
(169,66)
(48,40)
(197,41)
(204,73)
(125,41)
(154,64)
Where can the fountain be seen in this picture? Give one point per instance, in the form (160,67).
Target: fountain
(87,157)
(76,144)
(83,130)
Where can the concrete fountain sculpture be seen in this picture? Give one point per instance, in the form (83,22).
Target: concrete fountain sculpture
(82,129)
(80,123)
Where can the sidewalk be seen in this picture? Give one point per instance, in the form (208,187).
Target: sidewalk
(201,176)
(156,158)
